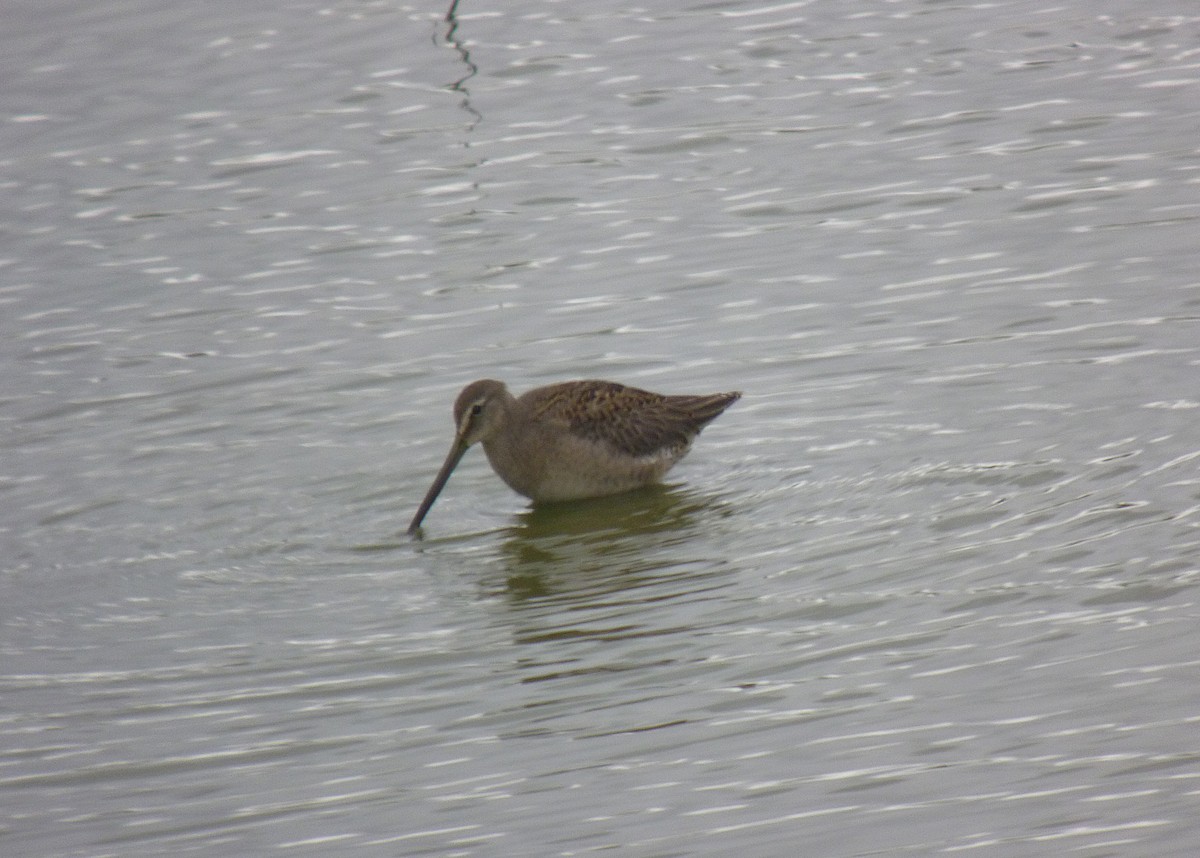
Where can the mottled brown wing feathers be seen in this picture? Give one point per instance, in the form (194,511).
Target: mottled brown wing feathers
(631,421)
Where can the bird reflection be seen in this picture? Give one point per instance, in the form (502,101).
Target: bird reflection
(603,544)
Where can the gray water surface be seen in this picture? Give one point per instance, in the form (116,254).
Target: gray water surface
(929,588)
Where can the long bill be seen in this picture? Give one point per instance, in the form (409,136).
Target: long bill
(439,483)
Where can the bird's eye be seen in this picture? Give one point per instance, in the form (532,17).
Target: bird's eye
(477,409)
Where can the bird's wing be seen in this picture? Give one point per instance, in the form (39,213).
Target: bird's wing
(631,421)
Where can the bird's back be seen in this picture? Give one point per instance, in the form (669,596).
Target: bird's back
(630,421)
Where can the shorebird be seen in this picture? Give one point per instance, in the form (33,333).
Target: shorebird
(578,439)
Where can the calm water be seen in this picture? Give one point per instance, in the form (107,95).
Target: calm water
(929,588)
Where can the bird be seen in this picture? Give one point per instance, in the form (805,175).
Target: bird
(576,439)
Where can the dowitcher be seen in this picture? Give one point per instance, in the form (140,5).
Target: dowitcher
(578,439)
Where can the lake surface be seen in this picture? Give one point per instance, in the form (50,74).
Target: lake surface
(929,588)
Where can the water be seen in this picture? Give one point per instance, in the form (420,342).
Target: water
(929,588)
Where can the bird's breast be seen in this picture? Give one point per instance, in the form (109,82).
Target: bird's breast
(573,469)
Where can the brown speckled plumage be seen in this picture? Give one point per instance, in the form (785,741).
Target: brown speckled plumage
(632,422)
(577,439)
